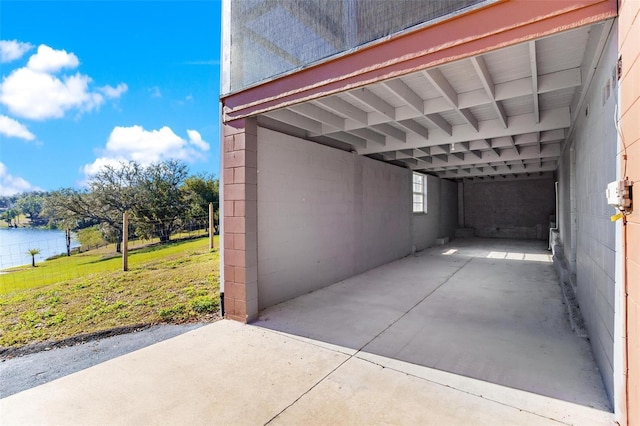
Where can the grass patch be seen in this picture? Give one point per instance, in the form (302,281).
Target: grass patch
(176,282)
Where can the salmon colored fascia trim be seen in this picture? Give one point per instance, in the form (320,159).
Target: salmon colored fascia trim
(495,26)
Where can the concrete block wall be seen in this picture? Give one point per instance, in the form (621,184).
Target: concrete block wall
(325,215)
(518,208)
(594,142)
(239,257)
(441,218)
(565,224)
(448,208)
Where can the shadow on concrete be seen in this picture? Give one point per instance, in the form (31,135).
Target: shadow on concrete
(486,309)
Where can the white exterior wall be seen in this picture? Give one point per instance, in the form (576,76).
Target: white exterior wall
(324,215)
(594,142)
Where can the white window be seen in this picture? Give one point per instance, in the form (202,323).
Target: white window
(419,193)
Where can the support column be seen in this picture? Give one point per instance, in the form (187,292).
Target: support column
(240,215)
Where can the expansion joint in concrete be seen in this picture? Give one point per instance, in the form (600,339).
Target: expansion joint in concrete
(354,355)
(461,390)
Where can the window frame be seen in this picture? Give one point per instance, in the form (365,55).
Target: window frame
(420,192)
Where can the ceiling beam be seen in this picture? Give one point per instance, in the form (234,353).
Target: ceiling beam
(506,155)
(404,92)
(316,113)
(547,166)
(433,107)
(297,120)
(415,127)
(487,82)
(370,135)
(389,130)
(442,85)
(468,116)
(369,98)
(441,123)
(533,62)
(552,119)
(344,109)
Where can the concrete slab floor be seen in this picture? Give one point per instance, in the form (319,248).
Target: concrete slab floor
(230,373)
(485,309)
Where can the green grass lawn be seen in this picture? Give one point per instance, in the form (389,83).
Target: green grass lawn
(89,292)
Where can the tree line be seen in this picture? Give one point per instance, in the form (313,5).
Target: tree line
(161,198)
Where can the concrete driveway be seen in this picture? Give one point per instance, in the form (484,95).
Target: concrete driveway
(470,333)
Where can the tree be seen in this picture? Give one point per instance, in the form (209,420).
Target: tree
(33,253)
(31,206)
(111,193)
(159,204)
(197,192)
(9,215)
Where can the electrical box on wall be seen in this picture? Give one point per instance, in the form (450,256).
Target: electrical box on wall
(619,194)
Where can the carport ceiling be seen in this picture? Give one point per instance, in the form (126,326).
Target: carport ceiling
(506,112)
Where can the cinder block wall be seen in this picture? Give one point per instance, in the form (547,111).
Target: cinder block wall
(448,208)
(564,223)
(595,143)
(441,218)
(518,208)
(324,215)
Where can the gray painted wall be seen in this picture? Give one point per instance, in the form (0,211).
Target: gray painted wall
(441,218)
(324,215)
(594,142)
(518,208)
(566,191)
(448,208)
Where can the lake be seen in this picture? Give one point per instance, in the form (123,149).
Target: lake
(15,242)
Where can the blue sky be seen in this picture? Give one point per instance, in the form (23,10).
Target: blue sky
(87,83)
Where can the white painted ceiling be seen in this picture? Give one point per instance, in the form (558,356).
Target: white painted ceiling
(502,113)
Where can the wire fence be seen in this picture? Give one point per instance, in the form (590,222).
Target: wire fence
(23,247)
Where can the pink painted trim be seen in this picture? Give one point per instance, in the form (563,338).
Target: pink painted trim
(495,26)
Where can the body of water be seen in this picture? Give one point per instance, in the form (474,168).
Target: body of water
(15,243)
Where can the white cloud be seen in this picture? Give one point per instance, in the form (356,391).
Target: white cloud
(101,163)
(10,185)
(39,96)
(196,139)
(148,146)
(50,60)
(11,50)
(13,129)
(155,92)
(34,92)
(114,92)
